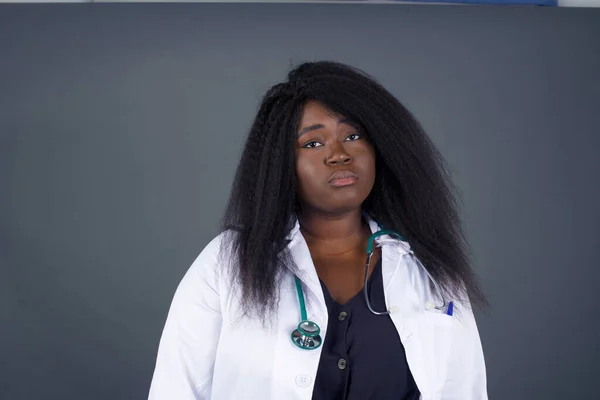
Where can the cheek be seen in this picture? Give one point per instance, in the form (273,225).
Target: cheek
(373,166)
(368,162)
(305,173)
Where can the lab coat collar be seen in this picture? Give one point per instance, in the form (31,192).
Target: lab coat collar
(305,270)
(295,237)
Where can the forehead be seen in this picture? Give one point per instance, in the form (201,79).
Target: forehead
(315,111)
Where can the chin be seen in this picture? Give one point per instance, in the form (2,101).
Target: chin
(339,206)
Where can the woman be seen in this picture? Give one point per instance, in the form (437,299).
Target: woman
(331,160)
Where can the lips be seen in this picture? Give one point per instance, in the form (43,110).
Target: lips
(343,178)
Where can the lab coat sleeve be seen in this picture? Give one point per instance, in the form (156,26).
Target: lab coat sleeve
(187,347)
(466,374)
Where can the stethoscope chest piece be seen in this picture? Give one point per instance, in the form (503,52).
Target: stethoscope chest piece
(307,335)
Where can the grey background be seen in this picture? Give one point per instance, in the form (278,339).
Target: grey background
(120,130)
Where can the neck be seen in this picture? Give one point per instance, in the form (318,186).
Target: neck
(334,234)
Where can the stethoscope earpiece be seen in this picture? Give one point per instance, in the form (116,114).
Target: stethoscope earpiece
(307,335)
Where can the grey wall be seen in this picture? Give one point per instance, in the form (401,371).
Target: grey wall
(120,128)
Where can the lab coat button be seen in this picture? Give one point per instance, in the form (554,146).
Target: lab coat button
(342,363)
(303,380)
(394,309)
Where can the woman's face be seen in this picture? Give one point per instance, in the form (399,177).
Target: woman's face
(335,163)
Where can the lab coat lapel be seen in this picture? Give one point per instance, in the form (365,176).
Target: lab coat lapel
(295,371)
(425,335)
(304,268)
(400,301)
(401,304)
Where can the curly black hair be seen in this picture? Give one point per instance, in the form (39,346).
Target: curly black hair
(412,194)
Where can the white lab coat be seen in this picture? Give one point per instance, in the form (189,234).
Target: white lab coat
(207,352)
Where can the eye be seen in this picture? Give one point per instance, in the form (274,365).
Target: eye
(312,145)
(354,136)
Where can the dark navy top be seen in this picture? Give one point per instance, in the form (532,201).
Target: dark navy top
(362,356)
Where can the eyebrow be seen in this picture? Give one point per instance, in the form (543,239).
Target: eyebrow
(321,126)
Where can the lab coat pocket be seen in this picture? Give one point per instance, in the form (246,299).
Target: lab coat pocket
(436,335)
(438,319)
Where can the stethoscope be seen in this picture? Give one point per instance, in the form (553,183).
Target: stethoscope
(308,334)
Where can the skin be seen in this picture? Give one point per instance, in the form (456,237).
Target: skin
(331,218)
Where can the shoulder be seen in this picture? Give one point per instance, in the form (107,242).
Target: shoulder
(211,265)
(216,254)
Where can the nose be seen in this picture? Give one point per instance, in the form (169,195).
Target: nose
(338,155)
